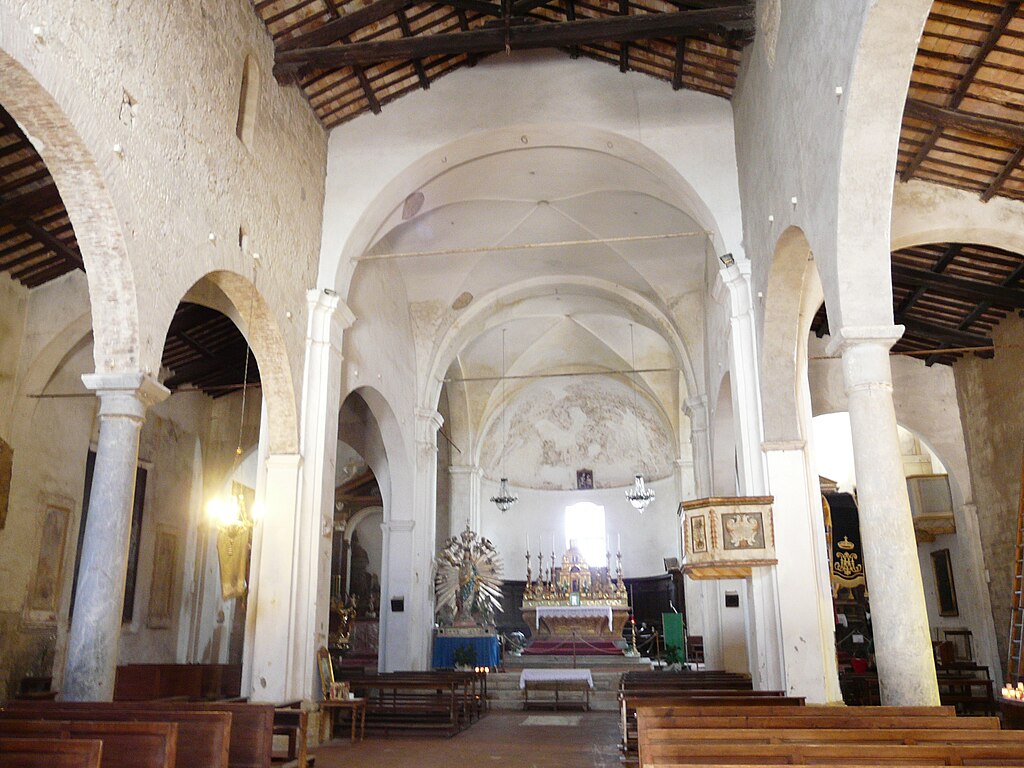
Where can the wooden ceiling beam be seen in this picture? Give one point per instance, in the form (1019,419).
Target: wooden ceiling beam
(940,266)
(336,29)
(957,96)
(417,64)
(678,64)
(1011,165)
(29,203)
(951,118)
(519,37)
(954,337)
(54,244)
(974,290)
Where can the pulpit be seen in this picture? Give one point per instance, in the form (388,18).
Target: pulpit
(575,602)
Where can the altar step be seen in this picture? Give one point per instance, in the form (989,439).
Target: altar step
(503,690)
(617,664)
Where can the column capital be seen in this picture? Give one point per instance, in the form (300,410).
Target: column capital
(471,470)
(696,409)
(428,422)
(125,395)
(849,337)
(329,316)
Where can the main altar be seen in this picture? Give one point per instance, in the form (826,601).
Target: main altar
(576,601)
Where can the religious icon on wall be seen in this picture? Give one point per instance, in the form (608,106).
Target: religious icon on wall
(161,591)
(44,597)
(6,466)
(584,479)
(698,535)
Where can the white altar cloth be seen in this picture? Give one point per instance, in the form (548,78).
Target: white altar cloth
(555,676)
(573,611)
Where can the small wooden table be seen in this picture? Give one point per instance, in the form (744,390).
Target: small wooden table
(330,706)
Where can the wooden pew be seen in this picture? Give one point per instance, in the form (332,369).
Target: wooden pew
(414,701)
(50,753)
(145,682)
(126,745)
(673,756)
(204,737)
(292,721)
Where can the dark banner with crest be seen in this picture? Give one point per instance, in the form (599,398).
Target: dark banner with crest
(847,566)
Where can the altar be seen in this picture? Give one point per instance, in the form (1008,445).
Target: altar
(575,601)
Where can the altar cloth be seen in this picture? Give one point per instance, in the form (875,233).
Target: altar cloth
(573,611)
(486,650)
(555,676)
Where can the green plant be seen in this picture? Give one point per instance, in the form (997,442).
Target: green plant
(464,656)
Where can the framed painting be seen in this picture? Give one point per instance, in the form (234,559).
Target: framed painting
(944,586)
(165,569)
(44,594)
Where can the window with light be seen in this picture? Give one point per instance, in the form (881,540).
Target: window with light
(584,526)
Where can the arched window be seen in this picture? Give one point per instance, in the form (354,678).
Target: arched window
(584,527)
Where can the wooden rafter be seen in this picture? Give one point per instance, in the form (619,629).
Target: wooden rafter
(518,37)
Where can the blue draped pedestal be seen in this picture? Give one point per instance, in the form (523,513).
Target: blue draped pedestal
(487,650)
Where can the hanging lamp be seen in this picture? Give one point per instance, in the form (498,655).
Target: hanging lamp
(640,496)
(230,512)
(504,499)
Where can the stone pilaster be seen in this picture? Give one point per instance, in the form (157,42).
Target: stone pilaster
(96,627)
(464,505)
(903,651)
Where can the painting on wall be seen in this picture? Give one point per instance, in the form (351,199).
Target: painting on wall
(161,590)
(6,466)
(944,583)
(584,479)
(44,595)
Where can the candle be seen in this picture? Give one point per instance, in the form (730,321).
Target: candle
(552,545)
(527,543)
(619,541)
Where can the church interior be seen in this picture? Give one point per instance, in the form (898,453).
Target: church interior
(379,371)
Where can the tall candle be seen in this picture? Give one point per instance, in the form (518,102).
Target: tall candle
(619,541)
(527,542)
(552,545)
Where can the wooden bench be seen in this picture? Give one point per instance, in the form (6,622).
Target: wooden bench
(50,753)
(292,722)
(673,755)
(213,737)
(146,682)
(125,745)
(417,701)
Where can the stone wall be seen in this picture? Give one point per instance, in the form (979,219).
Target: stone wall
(991,403)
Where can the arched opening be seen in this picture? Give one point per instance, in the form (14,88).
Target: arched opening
(363,502)
(724,473)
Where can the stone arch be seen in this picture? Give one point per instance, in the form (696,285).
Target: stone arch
(928,213)
(237,297)
(42,369)
(723,442)
(867,164)
(392,462)
(41,98)
(491,309)
(792,296)
(477,145)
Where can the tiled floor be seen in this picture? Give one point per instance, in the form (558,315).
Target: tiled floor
(536,740)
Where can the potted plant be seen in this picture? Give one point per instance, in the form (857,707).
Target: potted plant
(465,657)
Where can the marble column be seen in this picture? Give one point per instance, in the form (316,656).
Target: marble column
(464,505)
(903,651)
(96,627)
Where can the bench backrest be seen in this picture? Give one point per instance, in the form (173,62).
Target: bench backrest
(126,745)
(660,755)
(204,737)
(50,753)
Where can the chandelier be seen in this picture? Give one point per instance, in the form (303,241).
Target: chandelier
(504,499)
(639,495)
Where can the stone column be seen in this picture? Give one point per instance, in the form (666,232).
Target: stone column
(327,320)
(421,615)
(764,620)
(96,627)
(465,498)
(903,651)
(702,612)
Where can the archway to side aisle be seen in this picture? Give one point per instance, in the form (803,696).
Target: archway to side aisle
(38,108)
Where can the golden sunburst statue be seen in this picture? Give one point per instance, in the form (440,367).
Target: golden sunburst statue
(467,581)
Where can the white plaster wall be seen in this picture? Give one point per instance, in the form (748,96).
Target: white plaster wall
(646,539)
